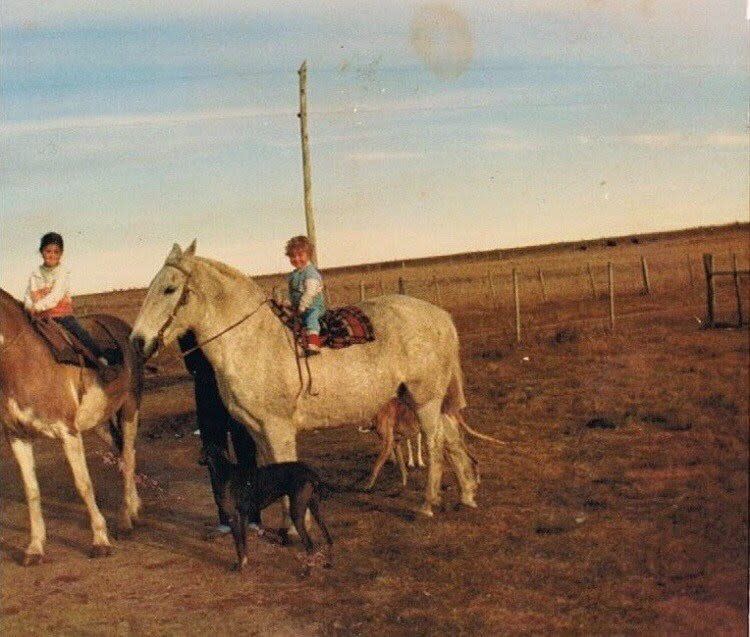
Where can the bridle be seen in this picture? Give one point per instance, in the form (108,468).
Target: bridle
(183,300)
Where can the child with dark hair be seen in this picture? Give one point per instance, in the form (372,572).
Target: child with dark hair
(48,294)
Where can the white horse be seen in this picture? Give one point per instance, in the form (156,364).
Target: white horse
(262,383)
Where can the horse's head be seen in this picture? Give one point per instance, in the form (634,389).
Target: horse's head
(170,307)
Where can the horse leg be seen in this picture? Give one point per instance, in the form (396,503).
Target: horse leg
(432,427)
(461,460)
(132,502)
(281,446)
(24,453)
(73,447)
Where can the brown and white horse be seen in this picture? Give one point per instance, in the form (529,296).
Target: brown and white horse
(40,397)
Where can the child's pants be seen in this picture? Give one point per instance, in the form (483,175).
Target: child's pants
(71,324)
(311,319)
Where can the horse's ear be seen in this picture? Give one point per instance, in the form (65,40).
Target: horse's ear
(175,253)
(191,249)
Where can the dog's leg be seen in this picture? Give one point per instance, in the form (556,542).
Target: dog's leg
(385,451)
(420,461)
(237,524)
(314,506)
(409,454)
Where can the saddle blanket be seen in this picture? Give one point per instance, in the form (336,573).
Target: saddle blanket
(68,350)
(339,327)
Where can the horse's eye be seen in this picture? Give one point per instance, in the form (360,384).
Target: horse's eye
(170,289)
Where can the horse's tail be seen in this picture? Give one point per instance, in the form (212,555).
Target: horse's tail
(454,400)
(458,417)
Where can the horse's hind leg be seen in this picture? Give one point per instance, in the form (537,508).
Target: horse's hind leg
(462,462)
(128,418)
(73,447)
(432,427)
(24,453)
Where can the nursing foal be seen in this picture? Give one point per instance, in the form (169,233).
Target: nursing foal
(42,398)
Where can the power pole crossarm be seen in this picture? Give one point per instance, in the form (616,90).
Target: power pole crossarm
(306,180)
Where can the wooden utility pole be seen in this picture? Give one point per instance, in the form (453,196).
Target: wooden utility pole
(306,181)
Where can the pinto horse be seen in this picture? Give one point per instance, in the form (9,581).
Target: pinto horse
(40,397)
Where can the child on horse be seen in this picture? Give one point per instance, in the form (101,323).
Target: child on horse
(306,291)
(48,295)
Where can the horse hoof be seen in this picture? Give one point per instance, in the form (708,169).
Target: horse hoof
(426,510)
(468,501)
(32,559)
(100,550)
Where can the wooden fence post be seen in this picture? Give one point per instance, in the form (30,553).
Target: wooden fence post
(493,293)
(517,305)
(541,283)
(438,296)
(708,267)
(646,280)
(361,290)
(401,285)
(611,277)
(591,281)
(737,292)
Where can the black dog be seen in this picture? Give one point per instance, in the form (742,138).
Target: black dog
(245,492)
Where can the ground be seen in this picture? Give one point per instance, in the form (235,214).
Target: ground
(635,522)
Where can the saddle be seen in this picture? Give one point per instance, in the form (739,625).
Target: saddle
(339,327)
(68,350)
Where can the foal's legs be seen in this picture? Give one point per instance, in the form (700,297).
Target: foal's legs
(24,453)
(73,447)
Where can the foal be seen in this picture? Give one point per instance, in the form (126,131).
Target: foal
(244,492)
(395,421)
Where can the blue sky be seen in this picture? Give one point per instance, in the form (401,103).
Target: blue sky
(434,127)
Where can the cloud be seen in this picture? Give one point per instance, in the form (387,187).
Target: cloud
(670,140)
(384,156)
(27,127)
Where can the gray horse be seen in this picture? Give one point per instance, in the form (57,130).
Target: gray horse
(263,386)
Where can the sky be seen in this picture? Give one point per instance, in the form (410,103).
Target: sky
(435,127)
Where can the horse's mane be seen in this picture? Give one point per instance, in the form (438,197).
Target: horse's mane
(230,272)
(226,270)
(8,298)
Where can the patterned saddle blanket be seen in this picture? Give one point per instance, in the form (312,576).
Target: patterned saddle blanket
(68,350)
(339,327)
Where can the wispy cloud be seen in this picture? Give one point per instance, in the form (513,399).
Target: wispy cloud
(135,120)
(669,140)
(384,156)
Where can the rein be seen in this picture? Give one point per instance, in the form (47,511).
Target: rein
(183,299)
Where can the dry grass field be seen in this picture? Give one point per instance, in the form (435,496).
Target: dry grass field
(641,527)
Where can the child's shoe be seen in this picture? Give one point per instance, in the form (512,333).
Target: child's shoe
(313,344)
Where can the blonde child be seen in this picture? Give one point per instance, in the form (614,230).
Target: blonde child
(48,294)
(306,291)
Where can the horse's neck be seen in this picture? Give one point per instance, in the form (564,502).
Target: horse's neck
(229,299)
(18,339)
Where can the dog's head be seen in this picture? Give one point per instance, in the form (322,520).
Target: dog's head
(217,460)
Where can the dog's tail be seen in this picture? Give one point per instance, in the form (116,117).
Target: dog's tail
(326,489)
